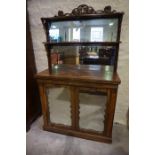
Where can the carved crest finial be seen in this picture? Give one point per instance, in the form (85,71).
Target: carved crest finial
(107,9)
(84,9)
(60,13)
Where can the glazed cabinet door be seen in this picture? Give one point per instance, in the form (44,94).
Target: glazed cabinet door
(56,105)
(58,100)
(92,106)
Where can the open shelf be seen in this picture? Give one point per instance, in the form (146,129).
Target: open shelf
(81,43)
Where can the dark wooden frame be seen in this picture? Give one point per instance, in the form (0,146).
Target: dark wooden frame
(48,79)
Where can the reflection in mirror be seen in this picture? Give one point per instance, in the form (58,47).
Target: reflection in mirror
(54,33)
(59,105)
(76,34)
(97,55)
(96,34)
(92,110)
(102,30)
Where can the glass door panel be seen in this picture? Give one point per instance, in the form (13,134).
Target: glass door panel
(59,105)
(92,110)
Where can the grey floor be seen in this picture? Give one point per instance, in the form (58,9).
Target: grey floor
(41,142)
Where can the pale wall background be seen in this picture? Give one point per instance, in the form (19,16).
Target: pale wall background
(49,8)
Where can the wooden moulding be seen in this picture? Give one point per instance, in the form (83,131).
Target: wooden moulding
(79,134)
(50,44)
(84,12)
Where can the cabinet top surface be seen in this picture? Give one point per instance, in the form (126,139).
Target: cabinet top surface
(89,73)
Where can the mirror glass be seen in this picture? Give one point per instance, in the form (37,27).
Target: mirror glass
(92,110)
(59,105)
(97,55)
(96,30)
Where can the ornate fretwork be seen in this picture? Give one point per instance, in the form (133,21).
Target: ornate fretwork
(85,9)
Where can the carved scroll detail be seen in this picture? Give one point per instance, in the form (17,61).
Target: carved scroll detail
(85,10)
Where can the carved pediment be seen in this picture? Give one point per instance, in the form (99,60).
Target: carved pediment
(85,10)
